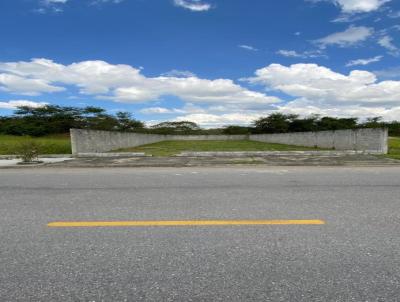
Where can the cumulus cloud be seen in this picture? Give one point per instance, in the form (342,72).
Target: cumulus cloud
(304,107)
(122,83)
(353,35)
(26,86)
(193,5)
(364,61)
(308,88)
(17,103)
(321,84)
(313,89)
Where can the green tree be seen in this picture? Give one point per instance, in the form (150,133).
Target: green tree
(127,123)
(274,123)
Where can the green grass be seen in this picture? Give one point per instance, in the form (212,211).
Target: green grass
(168,148)
(394,147)
(54,144)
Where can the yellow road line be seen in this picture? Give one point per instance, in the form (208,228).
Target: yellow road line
(74,224)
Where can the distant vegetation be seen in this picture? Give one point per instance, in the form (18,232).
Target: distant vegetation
(50,120)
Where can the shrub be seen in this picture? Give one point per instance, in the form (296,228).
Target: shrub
(28,151)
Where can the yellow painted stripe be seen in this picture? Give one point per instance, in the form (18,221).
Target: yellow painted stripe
(72,224)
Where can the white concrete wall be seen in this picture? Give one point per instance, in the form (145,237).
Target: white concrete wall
(88,141)
(366,140)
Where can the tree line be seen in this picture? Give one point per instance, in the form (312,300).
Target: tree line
(52,119)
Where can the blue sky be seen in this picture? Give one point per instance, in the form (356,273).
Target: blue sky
(215,62)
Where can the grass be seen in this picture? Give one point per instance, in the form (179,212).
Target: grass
(168,148)
(54,144)
(394,147)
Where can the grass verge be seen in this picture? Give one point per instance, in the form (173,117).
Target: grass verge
(394,147)
(168,148)
(54,144)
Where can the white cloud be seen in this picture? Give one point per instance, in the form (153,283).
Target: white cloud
(218,120)
(193,5)
(25,86)
(320,84)
(248,47)
(387,42)
(364,61)
(289,53)
(310,88)
(160,110)
(53,6)
(122,83)
(356,6)
(304,107)
(359,6)
(303,55)
(314,90)
(179,74)
(350,37)
(17,103)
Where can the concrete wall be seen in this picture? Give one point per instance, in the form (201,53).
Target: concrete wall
(88,141)
(365,140)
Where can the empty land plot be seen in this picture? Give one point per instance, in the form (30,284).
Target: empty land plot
(169,148)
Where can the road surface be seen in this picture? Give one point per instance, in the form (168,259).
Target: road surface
(352,255)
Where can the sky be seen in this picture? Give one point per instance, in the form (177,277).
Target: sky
(213,62)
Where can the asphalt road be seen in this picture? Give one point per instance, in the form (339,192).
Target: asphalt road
(355,256)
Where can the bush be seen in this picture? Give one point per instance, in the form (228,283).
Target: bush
(28,151)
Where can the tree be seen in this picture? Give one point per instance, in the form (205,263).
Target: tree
(373,122)
(300,125)
(127,123)
(274,123)
(232,130)
(52,119)
(177,127)
(333,123)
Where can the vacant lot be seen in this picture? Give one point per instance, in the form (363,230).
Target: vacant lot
(169,148)
(60,144)
(55,144)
